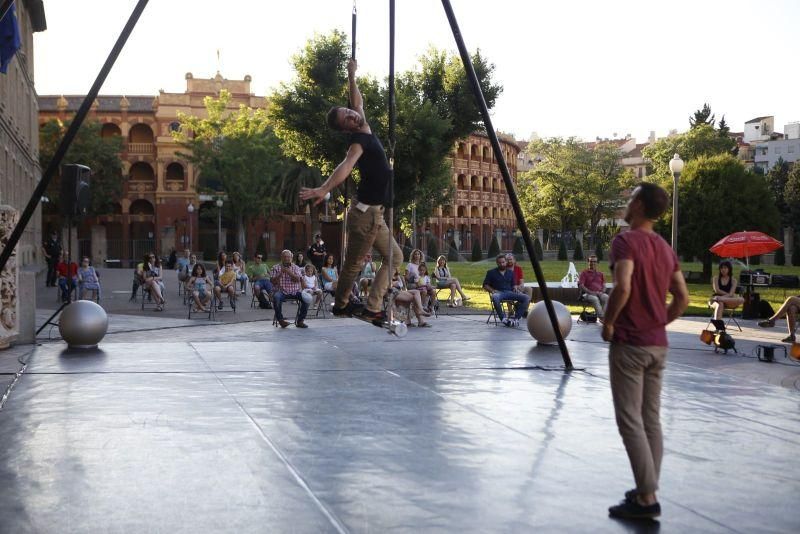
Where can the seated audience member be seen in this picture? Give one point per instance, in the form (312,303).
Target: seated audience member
(444,280)
(184,265)
(412,268)
(150,274)
(287,279)
(368,271)
(67,276)
(788,309)
(311,282)
(329,273)
(226,283)
(499,283)
(200,285)
(222,259)
(519,278)
(425,287)
(410,299)
(258,273)
(724,287)
(240,268)
(592,284)
(300,259)
(88,280)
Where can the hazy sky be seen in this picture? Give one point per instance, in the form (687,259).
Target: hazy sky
(583,68)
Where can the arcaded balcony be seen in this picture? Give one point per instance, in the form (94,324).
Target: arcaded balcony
(140,140)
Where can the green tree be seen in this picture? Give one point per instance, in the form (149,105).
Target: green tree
(791,195)
(598,251)
(702,116)
(101,154)
(709,186)
(776,179)
(494,248)
(562,251)
(434,109)
(722,128)
(550,193)
(602,192)
(537,249)
(577,254)
(433,248)
(518,247)
(452,252)
(238,150)
(780,257)
(477,253)
(701,140)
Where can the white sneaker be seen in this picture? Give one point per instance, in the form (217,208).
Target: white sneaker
(515,322)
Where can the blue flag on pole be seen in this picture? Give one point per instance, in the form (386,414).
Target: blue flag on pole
(9,39)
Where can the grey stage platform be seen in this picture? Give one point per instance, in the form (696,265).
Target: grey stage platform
(342,428)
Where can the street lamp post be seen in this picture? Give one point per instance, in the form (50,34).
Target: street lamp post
(675,167)
(219,224)
(190,209)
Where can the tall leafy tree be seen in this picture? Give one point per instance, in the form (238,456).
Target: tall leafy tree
(101,154)
(602,194)
(550,193)
(711,186)
(434,109)
(702,116)
(776,179)
(723,128)
(701,140)
(238,149)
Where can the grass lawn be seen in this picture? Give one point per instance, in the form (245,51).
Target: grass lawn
(471,276)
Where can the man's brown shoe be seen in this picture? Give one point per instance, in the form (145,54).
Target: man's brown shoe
(301,324)
(284,323)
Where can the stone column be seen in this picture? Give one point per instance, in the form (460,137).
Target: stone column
(9,281)
(99,246)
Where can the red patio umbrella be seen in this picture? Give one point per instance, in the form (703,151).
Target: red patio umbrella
(745,244)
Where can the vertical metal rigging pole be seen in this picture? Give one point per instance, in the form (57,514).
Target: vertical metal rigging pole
(77,120)
(349,104)
(392,113)
(512,193)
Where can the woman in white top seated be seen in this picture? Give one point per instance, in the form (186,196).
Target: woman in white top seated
(444,280)
(368,271)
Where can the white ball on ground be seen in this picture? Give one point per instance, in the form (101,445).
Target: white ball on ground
(307,296)
(539,322)
(83,324)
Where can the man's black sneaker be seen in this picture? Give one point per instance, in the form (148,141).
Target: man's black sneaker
(630,509)
(348,311)
(630,495)
(375,318)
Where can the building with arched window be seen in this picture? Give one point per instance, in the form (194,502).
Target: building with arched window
(480,204)
(159,185)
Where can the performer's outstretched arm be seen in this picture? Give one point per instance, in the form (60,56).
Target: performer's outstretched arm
(339,175)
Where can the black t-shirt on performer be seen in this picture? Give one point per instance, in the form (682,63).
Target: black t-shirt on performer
(375,172)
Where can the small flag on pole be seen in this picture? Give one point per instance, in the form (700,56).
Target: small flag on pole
(9,38)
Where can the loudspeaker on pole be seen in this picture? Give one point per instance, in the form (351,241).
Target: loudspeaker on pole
(75,198)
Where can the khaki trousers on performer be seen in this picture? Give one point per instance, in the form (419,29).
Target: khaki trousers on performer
(636,374)
(366,230)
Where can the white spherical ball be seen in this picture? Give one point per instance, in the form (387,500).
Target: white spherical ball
(307,296)
(539,322)
(327,196)
(83,324)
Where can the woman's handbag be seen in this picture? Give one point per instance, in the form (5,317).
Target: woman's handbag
(707,337)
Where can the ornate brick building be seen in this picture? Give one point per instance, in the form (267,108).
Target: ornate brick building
(160,188)
(480,207)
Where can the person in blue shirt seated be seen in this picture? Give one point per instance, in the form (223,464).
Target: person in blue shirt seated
(500,285)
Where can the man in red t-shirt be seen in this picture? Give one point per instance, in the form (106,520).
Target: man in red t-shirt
(593,286)
(67,276)
(519,280)
(645,268)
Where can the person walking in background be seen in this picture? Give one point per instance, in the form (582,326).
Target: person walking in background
(52,254)
(645,268)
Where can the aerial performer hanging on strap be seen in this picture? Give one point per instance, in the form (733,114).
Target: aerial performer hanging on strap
(366,227)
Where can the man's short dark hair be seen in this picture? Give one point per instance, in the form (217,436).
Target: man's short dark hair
(333,119)
(654,199)
(500,256)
